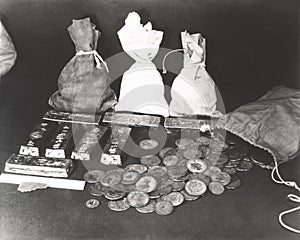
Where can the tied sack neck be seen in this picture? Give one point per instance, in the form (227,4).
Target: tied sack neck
(98,59)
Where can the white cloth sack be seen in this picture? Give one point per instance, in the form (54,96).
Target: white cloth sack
(193,90)
(8,53)
(142,88)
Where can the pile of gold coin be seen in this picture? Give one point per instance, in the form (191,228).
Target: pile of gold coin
(161,182)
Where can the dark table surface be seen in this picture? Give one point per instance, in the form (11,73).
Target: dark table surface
(249,212)
(244,65)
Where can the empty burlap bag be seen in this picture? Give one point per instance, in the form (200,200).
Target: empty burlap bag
(83,85)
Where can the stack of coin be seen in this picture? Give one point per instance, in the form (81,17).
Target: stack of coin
(159,183)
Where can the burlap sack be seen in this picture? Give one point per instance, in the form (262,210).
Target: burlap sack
(83,85)
(8,53)
(271,123)
(142,88)
(193,90)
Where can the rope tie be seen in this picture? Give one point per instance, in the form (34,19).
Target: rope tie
(202,64)
(97,57)
(292,197)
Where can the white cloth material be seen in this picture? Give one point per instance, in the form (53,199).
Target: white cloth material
(193,90)
(97,57)
(142,88)
(8,53)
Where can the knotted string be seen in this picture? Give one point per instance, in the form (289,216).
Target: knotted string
(178,50)
(291,197)
(97,57)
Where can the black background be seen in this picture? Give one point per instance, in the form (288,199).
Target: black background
(251,47)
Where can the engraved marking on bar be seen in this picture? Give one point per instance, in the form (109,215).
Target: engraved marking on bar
(88,142)
(60,143)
